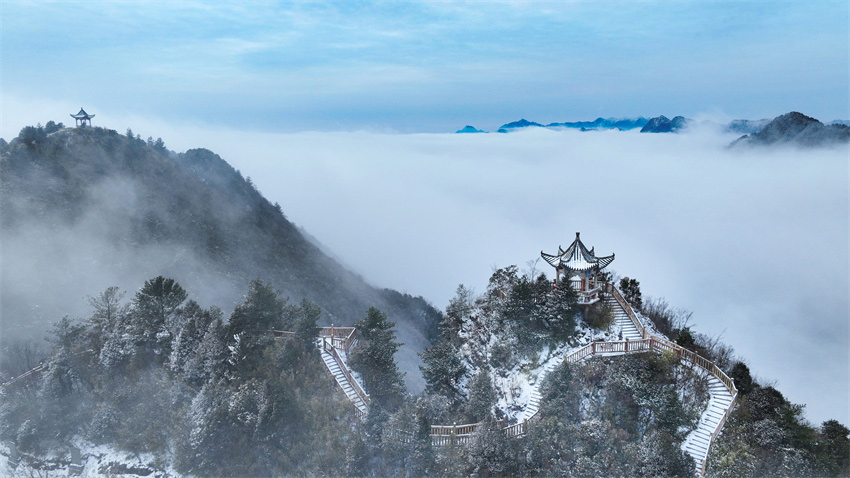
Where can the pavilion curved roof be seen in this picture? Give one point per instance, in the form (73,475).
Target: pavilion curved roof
(82,115)
(577,257)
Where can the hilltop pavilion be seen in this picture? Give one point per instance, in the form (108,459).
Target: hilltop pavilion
(581,267)
(83,118)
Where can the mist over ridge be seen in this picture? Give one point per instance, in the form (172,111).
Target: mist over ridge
(714,230)
(708,228)
(85,209)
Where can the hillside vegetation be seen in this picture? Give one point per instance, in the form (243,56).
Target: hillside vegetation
(83,209)
(168,384)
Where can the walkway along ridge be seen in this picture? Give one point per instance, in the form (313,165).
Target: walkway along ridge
(637,339)
(333,342)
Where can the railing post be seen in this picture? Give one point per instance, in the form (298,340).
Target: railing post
(627,344)
(453,434)
(593,348)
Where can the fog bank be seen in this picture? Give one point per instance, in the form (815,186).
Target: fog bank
(754,242)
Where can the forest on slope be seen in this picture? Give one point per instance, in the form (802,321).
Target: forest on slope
(83,209)
(192,388)
(175,388)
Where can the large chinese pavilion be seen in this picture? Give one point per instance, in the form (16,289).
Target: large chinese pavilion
(82,118)
(581,267)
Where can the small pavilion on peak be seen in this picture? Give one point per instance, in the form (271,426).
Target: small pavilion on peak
(581,267)
(83,118)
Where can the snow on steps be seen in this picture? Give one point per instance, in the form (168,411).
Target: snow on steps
(627,327)
(341,380)
(336,365)
(697,442)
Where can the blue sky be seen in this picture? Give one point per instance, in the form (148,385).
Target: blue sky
(427,67)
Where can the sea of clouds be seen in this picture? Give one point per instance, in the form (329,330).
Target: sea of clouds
(754,242)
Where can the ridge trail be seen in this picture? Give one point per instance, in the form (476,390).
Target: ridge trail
(636,339)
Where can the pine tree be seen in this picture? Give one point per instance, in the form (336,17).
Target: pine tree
(374,359)
(249,327)
(631,292)
(260,312)
(443,370)
(482,397)
(152,319)
(108,311)
(304,323)
(557,316)
(194,323)
(493,453)
(208,361)
(459,310)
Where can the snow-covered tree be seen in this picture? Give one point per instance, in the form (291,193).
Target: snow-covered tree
(631,292)
(443,370)
(374,359)
(108,311)
(194,322)
(482,397)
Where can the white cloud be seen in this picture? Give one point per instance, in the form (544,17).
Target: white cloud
(754,243)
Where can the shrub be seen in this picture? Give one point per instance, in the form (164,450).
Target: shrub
(599,316)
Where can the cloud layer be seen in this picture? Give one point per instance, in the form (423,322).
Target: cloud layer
(753,242)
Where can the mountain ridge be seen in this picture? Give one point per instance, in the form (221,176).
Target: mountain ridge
(88,208)
(796,128)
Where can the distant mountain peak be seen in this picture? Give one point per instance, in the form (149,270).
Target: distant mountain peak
(796,128)
(523,123)
(662,124)
(603,123)
(470,129)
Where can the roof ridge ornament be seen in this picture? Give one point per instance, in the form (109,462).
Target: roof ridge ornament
(577,258)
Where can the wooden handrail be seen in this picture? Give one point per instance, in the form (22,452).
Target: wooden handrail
(343,338)
(610,288)
(35,372)
(354,384)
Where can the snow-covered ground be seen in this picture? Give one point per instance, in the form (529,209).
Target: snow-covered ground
(97,461)
(518,391)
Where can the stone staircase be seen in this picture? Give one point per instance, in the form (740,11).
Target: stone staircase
(534,399)
(334,353)
(720,400)
(342,381)
(696,444)
(698,441)
(627,327)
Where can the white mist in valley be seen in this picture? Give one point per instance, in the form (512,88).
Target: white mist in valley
(754,242)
